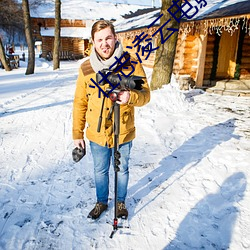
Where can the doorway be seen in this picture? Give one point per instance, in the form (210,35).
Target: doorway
(227,55)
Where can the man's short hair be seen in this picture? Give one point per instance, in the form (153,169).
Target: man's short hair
(100,25)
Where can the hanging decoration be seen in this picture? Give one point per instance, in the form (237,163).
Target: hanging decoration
(246,25)
(219,25)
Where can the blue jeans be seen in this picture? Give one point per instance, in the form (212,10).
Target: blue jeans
(102,157)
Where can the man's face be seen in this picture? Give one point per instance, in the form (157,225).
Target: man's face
(104,42)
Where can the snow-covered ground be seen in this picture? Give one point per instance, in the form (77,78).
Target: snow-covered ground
(189,170)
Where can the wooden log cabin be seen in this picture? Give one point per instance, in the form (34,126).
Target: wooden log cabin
(214,45)
(74,37)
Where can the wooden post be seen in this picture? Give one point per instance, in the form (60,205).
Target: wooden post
(201,60)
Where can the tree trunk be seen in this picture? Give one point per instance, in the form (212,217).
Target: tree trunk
(56,59)
(164,59)
(29,38)
(3,57)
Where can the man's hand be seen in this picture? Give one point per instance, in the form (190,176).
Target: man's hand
(79,143)
(123,97)
(79,151)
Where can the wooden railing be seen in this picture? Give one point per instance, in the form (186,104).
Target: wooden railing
(64,55)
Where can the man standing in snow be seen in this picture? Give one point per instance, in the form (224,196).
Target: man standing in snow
(86,108)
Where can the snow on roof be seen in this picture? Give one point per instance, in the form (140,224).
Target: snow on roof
(219,8)
(137,22)
(80,32)
(85,10)
(214,8)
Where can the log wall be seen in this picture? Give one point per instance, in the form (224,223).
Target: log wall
(50,22)
(149,62)
(245,61)
(74,45)
(186,55)
(209,57)
(178,61)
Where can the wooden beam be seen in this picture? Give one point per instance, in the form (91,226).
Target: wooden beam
(201,60)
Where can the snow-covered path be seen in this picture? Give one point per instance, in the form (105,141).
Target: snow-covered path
(189,171)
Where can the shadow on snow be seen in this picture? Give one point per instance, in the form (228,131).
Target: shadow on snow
(209,225)
(23,110)
(212,219)
(190,153)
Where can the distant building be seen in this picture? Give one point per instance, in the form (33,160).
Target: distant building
(77,19)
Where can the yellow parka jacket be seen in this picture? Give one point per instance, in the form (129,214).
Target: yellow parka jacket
(87,107)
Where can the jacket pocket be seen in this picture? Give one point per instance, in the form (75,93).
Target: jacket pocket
(126,120)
